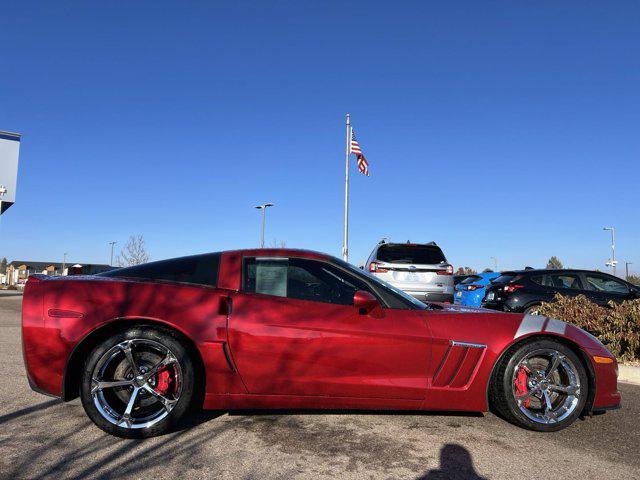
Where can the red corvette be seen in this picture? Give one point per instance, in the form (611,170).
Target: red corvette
(278,328)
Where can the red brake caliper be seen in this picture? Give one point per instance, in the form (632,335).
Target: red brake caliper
(163,383)
(521,384)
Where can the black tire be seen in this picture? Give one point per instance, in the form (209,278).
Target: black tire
(185,400)
(502,396)
(532,310)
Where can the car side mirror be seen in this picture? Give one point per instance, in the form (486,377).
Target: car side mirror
(364,302)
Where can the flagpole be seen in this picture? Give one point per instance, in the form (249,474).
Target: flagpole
(345,245)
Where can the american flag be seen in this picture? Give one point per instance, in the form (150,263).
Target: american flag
(363,165)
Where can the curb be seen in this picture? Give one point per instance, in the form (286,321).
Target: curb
(629,374)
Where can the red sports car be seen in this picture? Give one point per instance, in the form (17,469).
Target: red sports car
(281,328)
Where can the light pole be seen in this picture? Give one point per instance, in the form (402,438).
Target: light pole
(612,263)
(626,266)
(3,192)
(112,243)
(263,207)
(495,263)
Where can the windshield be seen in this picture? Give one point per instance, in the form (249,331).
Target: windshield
(417,304)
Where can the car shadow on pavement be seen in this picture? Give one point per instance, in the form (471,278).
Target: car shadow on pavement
(26,411)
(455,463)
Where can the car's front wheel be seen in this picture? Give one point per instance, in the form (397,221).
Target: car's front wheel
(138,383)
(541,385)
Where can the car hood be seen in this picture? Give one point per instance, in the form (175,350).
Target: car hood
(449,307)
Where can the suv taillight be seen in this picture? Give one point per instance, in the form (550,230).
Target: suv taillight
(512,288)
(448,271)
(474,287)
(375,268)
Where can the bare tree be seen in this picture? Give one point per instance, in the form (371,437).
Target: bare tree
(278,244)
(133,253)
(466,271)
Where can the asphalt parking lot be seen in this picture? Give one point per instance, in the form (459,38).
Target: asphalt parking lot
(41,437)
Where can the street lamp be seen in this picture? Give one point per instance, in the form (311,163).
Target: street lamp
(612,263)
(626,266)
(112,243)
(263,207)
(495,263)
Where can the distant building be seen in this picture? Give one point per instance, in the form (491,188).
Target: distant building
(18,271)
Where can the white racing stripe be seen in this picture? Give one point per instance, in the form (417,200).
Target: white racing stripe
(536,323)
(556,326)
(530,324)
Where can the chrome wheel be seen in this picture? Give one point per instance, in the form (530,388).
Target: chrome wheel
(546,386)
(136,383)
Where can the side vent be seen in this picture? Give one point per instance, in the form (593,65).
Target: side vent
(458,365)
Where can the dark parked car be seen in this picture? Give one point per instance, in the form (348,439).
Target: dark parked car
(524,290)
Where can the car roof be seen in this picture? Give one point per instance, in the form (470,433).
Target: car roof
(551,270)
(408,244)
(282,252)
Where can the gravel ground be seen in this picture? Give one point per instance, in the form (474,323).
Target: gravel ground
(41,437)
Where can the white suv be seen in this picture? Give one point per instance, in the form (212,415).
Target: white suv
(419,269)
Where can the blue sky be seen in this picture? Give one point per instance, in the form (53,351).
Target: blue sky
(497,129)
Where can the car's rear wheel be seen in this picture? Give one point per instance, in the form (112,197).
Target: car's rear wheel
(541,385)
(138,383)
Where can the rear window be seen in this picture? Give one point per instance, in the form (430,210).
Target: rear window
(471,279)
(416,254)
(504,279)
(196,269)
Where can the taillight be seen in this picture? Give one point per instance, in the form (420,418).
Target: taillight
(474,287)
(448,271)
(512,288)
(375,267)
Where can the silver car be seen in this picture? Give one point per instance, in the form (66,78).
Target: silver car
(419,269)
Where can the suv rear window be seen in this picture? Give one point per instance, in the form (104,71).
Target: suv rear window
(411,254)
(471,279)
(196,269)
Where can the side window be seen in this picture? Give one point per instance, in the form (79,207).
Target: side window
(563,280)
(301,279)
(600,283)
(539,279)
(195,269)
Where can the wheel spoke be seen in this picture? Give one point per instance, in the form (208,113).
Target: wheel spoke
(126,416)
(126,348)
(568,389)
(524,397)
(556,359)
(549,414)
(167,360)
(97,385)
(166,402)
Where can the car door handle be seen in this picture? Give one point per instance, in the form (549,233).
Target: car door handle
(226,305)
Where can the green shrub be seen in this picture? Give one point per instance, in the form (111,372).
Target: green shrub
(617,326)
